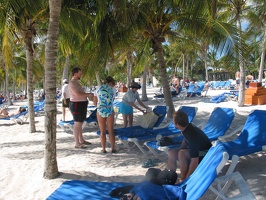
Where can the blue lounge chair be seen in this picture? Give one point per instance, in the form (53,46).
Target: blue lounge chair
(193,187)
(252,138)
(190,89)
(19,118)
(215,85)
(227,85)
(126,134)
(218,123)
(197,91)
(39,107)
(181,94)
(92,118)
(148,134)
(221,85)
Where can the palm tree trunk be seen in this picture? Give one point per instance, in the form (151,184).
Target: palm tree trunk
(65,71)
(184,76)
(6,89)
(98,78)
(165,81)
(29,57)
(242,86)
(50,164)
(129,69)
(262,58)
(144,96)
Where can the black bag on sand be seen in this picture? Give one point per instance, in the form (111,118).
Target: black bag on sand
(161,177)
(165,141)
(120,191)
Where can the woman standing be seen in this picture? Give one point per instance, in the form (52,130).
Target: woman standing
(128,102)
(103,100)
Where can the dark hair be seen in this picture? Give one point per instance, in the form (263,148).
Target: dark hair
(181,118)
(75,70)
(135,85)
(21,109)
(109,79)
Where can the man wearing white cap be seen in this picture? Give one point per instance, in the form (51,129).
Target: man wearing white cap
(66,98)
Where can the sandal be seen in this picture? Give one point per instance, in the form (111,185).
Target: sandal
(149,163)
(86,143)
(81,146)
(103,151)
(114,151)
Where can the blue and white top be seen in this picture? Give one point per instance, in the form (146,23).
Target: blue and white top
(105,95)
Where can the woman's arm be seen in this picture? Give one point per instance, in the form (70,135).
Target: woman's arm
(142,104)
(135,106)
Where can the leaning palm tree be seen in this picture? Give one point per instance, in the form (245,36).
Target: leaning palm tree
(23,17)
(157,20)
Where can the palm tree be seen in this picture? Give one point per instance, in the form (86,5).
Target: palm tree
(257,18)
(22,18)
(235,10)
(157,20)
(50,167)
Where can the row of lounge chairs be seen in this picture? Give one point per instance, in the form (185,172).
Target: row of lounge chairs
(193,89)
(225,85)
(251,139)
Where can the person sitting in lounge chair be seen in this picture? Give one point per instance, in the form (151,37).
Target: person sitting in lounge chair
(5,114)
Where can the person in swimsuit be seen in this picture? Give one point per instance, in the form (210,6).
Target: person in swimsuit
(78,106)
(103,100)
(5,114)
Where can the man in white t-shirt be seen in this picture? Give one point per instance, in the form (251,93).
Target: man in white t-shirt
(66,98)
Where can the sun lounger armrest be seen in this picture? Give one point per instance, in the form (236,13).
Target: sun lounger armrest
(245,192)
(164,126)
(233,132)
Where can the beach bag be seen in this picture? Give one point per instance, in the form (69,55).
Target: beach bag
(149,120)
(120,191)
(161,177)
(165,141)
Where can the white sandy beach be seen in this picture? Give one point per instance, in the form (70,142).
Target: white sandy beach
(22,161)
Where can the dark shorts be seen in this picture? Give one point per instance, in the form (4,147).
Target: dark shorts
(202,154)
(65,104)
(238,81)
(79,110)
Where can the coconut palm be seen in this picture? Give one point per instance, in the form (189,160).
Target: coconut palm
(50,167)
(22,18)
(157,20)
(257,19)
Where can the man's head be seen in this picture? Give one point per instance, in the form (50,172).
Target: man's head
(180,118)
(76,72)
